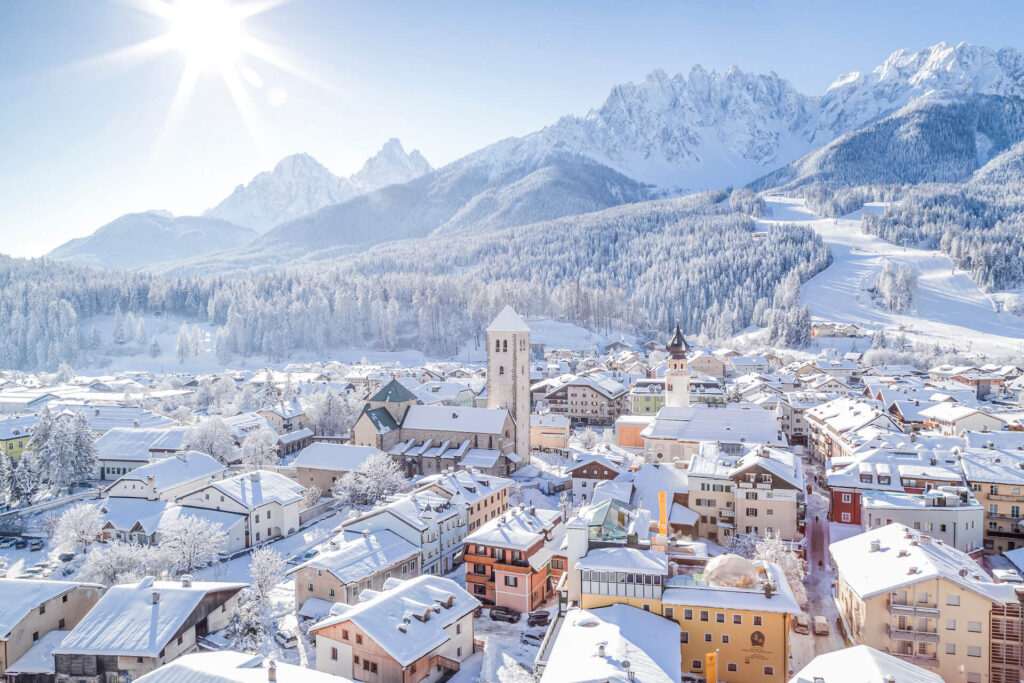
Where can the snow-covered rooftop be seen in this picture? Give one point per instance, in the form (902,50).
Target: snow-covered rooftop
(18,597)
(648,642)
(234,667)
(622,559)
(183,467)
(360,558)
(730,423)
(127,443)
(904,559)
(333,456)
(127,622)
(39,658)
(455,419)
(508,321)
(728,597)
(389,618)
(517,529)
(862,663)
(257,488)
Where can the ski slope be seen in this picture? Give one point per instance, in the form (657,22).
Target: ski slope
(949,307)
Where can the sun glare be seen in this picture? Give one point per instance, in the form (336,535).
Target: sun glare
(208,33)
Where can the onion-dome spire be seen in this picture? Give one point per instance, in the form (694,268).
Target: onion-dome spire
(677,346)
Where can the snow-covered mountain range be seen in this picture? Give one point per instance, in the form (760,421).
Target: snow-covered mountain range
(299,185)
(708,130)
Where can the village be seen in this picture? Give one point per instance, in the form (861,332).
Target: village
(655,512)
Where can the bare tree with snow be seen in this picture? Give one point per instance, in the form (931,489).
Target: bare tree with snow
(119,562)
(266,570)
(79,525)
(213,437)
(311,496)
(588,439)
(259,449)
(379,476)
(191,543)
(773,549)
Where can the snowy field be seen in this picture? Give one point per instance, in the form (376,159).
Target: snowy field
(949,307)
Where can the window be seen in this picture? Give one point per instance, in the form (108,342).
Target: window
(35,636)
(737,618)
(974,626)
(42,609)
(769,671)
(973,677)
(757,620)
(670,613)
(720,617)
(309,586)
(684,637)
(725,638)
(344,634)
(705,615)
(696,664)
(993,490)
(846,516)
(180,640)
(950,648)
(330,593)
(950,624)
(687,613)
(708,637)
(359,639)
(731,666)
(847,498)
(511,580)
(60,625)
(458,629)
(973,651)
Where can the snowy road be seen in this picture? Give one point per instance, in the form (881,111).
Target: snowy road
(949,307)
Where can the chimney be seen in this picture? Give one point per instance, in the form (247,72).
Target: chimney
(254,476)
(876,545)
(182,456)
(272,671)
(600,649)
(186,580)
(366,533)
(156,597)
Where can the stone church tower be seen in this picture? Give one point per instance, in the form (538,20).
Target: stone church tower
(677,376)
(508,373)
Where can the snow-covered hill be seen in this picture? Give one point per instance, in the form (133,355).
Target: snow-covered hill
(949,307)
(138,240)
(300,185)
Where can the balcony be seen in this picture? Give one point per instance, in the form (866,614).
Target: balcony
(913,609)
(726,513)
(928,660)
(914,636)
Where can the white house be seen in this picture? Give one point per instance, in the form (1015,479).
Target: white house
(168,478)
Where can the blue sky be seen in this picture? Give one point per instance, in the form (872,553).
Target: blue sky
(81,144)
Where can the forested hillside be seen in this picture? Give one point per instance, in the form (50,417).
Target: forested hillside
(634,266)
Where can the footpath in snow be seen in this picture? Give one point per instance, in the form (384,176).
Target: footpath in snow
(949,307)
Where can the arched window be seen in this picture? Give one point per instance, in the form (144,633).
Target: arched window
(501,369)
(497,345)
(504,345)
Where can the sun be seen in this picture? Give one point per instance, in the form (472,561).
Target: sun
(208,33)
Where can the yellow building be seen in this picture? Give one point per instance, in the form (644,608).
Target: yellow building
(748,627)
(929,604)
(14,434)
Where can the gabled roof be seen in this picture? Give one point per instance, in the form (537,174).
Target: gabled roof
(393,392)
(260,487)
(20,596)
(862,663)
(333,456)
(362,557)
(127,622)
(408,619)
(175,470)
(233,667)
(380,418)
(455,419)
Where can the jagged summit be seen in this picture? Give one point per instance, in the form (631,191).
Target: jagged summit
(299,185)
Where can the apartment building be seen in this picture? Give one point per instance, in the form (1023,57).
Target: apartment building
(830,425)
(948,514)
(591,400)
(508,560)
(478,497)
(352,565)
(919,599)
(757,491)
(996,478)
(790,410)
(587,473)
(412,631)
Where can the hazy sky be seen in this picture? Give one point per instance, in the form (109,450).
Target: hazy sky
(84,139)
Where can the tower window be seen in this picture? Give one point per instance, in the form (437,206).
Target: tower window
(501,369)
(504,345)
(497,345)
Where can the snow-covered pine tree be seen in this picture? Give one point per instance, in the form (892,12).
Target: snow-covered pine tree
(118,326)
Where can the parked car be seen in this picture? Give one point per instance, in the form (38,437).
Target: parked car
(6,542)
(66,557)
(36,544)
(531,639)
(21,543)
(801,624)
(820,626)
(541,618)
(286,639)
(499,613)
